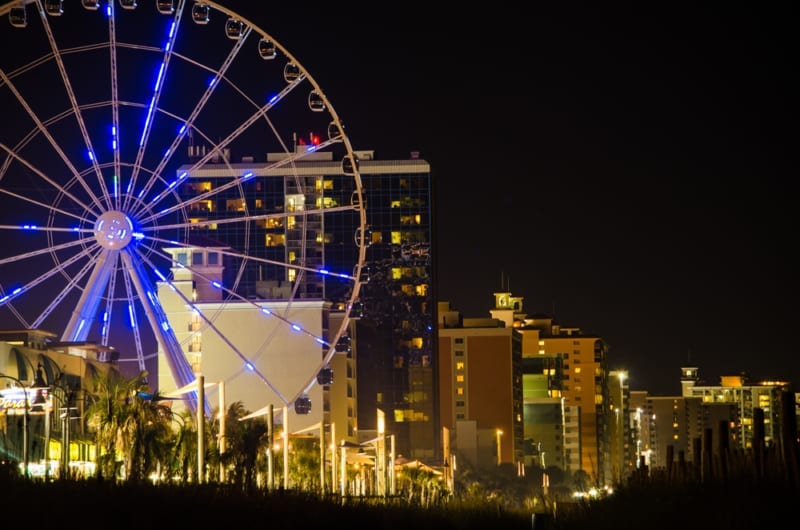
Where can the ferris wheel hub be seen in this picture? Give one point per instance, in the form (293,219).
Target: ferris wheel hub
(113,230)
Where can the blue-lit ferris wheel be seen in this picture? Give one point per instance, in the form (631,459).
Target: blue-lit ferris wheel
(132,130)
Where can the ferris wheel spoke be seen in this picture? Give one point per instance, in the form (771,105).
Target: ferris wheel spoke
(16,292)
(42,251)
(154,98)
(41,204)
(248,363)
(112,282)
(58,298)
(199,106)
(165,335)
(169,47)
(114,88)
(55,185)
(67,85)
(78,327)
(27,288)
(134,320)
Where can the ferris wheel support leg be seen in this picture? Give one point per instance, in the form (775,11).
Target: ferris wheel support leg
(181,369)
(79,324)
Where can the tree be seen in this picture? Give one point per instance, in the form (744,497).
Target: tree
(131,425)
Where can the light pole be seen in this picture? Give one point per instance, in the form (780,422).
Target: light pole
(499,434)
(24,423)
(199,385)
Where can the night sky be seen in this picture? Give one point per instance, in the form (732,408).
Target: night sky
(626,171)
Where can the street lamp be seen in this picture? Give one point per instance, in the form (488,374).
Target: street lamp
(24,423)
(498,434)
(66,408)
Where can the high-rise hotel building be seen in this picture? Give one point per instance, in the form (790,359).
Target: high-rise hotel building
(388,367)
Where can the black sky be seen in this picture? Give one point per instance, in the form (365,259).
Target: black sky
(625,171)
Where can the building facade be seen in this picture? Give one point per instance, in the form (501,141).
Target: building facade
(557,377)
(391,327)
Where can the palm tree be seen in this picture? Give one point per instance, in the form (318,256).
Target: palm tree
(243,441)
(131,425)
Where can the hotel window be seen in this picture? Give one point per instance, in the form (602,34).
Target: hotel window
(235,205)
(326,202)
(199,187)
(460,378)
(274,240)
(460,365)
(213,258)
(195,324)
(323,184)
(459,403)
(460,391)
(459,340)
(197,258)
(182,258)
(202,206)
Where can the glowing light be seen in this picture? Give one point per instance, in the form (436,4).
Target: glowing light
(160,76)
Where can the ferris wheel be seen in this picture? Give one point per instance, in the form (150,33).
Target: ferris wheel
(169,171)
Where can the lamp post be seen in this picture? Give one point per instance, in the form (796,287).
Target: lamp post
(39,402)
(499,434)
(24,423)
(199,385)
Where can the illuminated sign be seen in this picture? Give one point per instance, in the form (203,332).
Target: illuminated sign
(12,401)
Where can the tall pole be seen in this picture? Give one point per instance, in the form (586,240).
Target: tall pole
(322,452)
(392,480)
(285,447)
(270,447)
(223,446)
(47,440)
(201,427)
(25,433)
(333,457)
(499,433)
(66,432)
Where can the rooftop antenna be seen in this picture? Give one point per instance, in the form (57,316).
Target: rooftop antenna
(505,283)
